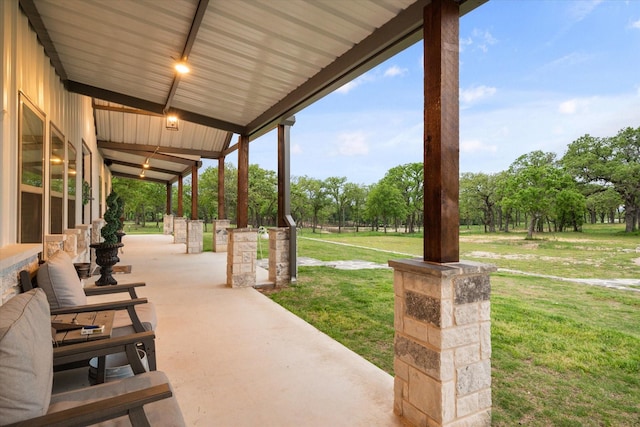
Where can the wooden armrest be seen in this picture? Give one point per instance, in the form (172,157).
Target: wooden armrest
(102,306)
(106,409)
(114,289)
(86,350)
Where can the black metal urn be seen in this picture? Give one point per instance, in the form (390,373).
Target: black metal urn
(106,258)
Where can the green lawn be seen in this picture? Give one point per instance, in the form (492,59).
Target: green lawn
(563,353)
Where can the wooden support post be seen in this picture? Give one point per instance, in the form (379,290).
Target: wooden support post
(243,182)
(194,191)
(180,210)
(221,211)
(441,132)
(169,197)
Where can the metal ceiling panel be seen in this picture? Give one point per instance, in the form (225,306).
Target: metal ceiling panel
(254,62)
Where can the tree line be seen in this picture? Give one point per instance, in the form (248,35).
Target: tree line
(597,179)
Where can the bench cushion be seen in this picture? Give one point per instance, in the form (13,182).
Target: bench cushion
(59,280)
(26,357)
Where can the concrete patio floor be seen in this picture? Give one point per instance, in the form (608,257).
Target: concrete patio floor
(235,358)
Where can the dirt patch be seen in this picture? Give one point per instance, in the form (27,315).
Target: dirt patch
(636,261)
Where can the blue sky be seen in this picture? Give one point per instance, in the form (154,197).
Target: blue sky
(534,75)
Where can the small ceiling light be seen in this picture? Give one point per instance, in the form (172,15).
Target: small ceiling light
(146,164)
(172,122)
(182,67)
(72,172)
(55,159)
(142,174)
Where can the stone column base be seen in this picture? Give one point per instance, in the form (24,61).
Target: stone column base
(279,256)
(241,257)
(194,236)
(167,224)
(442,343)
(220,235)
(179,229)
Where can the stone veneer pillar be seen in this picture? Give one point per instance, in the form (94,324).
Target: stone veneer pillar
(179,229)
(241,257)
(279,256)
(96,237)
(71,242)
(167,224)
(442,356)
(84,239)
(194,236)
(220,235)
(52,244)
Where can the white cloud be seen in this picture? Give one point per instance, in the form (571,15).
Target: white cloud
(475,146)
(568,107)
(464,42)
(296,149)
(575,106)
(476,93)
(394,71)
(581,9)
(483,39)
(348,87)
(635,24)
(352,144)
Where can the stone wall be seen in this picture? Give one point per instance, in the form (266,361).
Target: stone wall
(241,257)
(13,259)
(442,357)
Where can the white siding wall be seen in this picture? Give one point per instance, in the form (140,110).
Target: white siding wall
(26,69)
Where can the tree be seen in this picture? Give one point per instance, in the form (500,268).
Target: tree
(336,189)
(533,185)
(263,200)
(385,202)
(357,197)
(611,161)
(409,180)
(316,195)
(479,191)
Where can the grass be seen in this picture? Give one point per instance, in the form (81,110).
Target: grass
(563,354)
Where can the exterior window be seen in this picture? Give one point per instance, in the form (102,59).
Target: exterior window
(56,182)
(31,151)
(86,182)
(71,186)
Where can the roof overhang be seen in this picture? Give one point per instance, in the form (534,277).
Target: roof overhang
(254,63)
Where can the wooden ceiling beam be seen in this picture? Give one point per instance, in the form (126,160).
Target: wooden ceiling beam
(120,146)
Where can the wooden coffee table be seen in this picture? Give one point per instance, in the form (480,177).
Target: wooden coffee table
(74,323)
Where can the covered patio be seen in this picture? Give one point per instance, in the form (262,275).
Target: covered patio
(89,92)
(235,358)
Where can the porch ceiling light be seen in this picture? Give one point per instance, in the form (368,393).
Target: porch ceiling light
(182,67)
(146,164)
(171,122)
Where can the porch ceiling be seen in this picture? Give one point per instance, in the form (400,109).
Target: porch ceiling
(253,62)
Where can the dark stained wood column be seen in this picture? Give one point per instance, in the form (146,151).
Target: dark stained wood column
(169,196)
(194,191)
(441,131)
(243,182)
(284,168)
(180,210)
(221,213)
